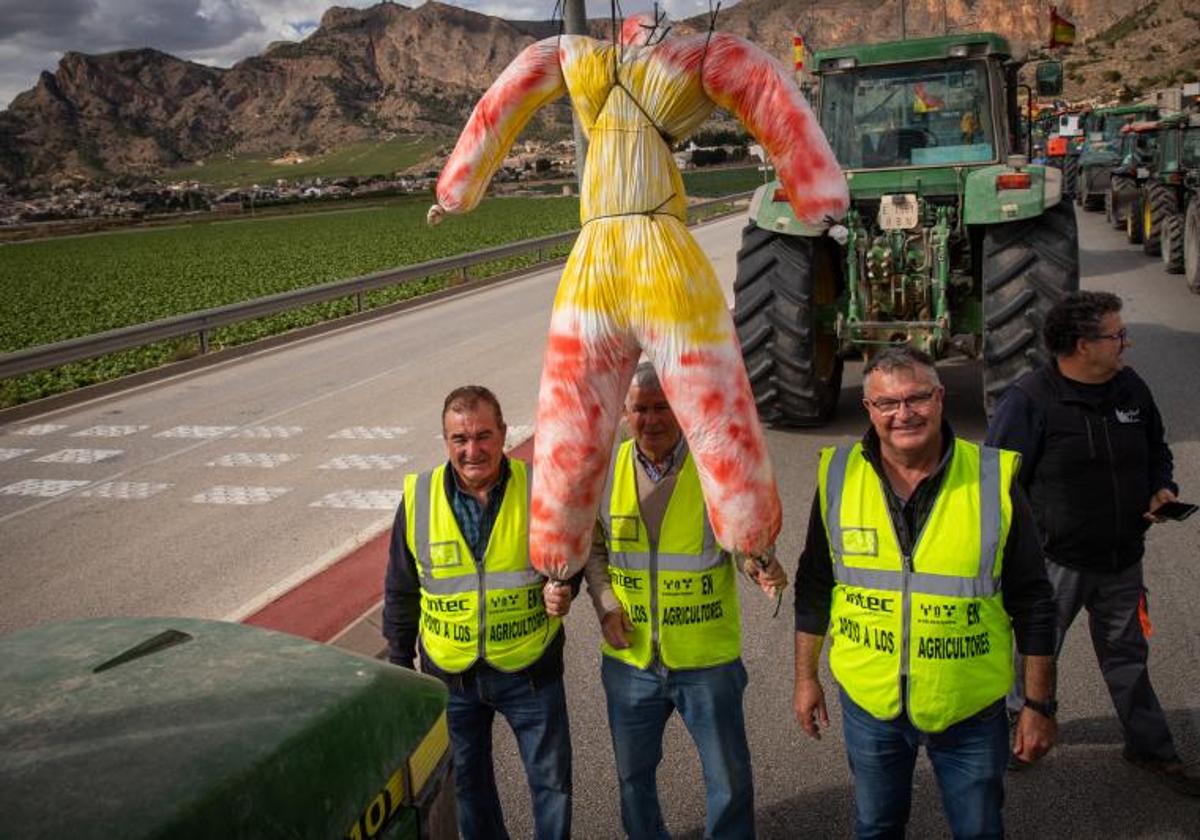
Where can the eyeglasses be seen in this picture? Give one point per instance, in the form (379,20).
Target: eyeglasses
(1121,335)
(915,402)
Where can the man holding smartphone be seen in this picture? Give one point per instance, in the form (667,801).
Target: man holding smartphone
(1097,468)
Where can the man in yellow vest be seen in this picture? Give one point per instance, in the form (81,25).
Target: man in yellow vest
(922,563)
(666,595)
(460,589)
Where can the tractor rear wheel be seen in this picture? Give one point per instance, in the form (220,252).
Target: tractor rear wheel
(1027,267)
(1117,200)
(1191,246)
(1172,243)
(1160,203)
(1071,176)
(1089,197)
(1133,220)
(794,368)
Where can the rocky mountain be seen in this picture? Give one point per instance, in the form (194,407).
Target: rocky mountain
(364,74)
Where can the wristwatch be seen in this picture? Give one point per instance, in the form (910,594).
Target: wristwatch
(1045,708)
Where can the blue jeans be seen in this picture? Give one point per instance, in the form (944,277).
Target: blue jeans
(537,712)
(710,702)
(969,760)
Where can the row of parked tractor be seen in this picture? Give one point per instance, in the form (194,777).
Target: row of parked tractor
(1142,168)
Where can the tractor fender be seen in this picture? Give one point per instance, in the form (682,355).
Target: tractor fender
(985,204)
(778,216)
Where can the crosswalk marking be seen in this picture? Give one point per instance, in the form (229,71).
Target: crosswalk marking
(195,431)
(8,454)
(124,490)
(369,433)
(40,429)
(44,487)
(265,460)
(79,456)
(227,494)
(380,499)
(109,431)
(365,462)
(282,432)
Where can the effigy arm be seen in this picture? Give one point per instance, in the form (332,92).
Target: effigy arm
(533,79)
(755,88)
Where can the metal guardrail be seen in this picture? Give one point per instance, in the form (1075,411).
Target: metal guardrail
(202,322)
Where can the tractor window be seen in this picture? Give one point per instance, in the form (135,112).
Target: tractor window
(922,114)
(1189,154)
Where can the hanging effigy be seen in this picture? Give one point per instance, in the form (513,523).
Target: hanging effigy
(636,281)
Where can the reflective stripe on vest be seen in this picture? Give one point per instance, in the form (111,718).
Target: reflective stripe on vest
(467,611)
(936,616)
(680,592)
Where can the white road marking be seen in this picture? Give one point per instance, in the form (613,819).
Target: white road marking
(124,490)
(365,462)
(44,487)
(196,432)
(109,431)
(9,454)
(79,456)
(233,494)
(369,433)
(283,432)
(40,429)
(361,500)
(265,460)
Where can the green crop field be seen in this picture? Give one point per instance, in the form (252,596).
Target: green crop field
(713,183)
(51,290)
(382,158)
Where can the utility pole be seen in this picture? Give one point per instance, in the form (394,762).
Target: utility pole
(575,20)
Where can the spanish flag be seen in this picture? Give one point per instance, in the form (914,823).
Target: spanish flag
(798,51)
(1062,31)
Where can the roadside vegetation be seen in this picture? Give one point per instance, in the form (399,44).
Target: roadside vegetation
(56,289)
(52,290)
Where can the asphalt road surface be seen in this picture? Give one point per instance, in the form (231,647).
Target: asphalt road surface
(208,494)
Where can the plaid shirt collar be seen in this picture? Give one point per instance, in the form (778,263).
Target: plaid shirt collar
(657,473)
(476,520)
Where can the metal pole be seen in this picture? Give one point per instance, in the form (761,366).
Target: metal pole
(575,21)
(903,28)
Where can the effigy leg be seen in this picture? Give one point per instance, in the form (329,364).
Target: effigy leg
(590,358)
(704,378)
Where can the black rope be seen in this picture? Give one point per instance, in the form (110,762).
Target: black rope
(712,27)
(656,211)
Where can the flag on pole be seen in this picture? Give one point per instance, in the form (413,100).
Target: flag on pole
(1062,30)
(798,51)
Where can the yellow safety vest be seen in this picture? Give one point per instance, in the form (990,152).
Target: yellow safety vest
(492,611)
(935,617)
(680,592)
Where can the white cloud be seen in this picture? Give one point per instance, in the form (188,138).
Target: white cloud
(36,33)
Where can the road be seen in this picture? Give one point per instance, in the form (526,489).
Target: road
(188,506)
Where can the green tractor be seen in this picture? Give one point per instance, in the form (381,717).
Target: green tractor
(1165,193)
(1063,148)
(1122,201)
(955,242)
(1102,130)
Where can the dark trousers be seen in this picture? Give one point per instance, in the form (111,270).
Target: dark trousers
(1112,601)
(536,709)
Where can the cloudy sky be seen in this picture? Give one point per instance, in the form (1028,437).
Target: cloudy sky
(35,33)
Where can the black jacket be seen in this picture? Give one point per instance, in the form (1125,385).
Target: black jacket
(1092,456)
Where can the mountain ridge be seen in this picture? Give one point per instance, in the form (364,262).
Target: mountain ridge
(365,74)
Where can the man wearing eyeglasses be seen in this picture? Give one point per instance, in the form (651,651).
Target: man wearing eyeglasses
(922,563)
(1096,465)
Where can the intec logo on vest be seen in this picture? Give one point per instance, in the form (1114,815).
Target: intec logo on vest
(872,603)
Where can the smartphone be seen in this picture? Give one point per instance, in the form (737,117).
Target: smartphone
(1177,511)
